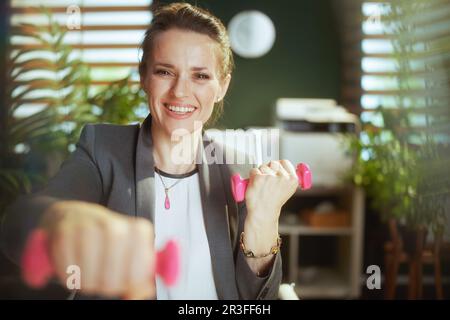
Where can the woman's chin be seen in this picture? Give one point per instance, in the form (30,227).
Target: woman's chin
(183,127)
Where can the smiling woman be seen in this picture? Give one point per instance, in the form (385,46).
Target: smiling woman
(183,80)
(124,192)
(210,47)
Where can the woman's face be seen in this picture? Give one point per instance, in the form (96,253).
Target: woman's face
(183,80)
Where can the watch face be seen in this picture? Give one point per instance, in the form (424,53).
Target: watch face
(252,34)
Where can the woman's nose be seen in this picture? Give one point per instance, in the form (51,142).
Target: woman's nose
(181,87)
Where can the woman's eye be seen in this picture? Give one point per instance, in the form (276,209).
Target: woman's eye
(202,76)
(162,72)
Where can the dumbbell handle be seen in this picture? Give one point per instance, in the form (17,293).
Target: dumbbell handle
(37,268)
(239,185)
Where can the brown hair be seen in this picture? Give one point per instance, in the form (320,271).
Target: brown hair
(185,16)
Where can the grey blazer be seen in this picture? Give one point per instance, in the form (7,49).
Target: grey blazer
(113,166)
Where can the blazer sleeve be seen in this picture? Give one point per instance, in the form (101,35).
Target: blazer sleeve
(77,179)
(251,286)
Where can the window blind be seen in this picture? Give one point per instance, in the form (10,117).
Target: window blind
(406,63)
(396,54)
(104,34)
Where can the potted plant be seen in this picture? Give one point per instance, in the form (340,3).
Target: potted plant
(34,146)
(405,170)
(408,185)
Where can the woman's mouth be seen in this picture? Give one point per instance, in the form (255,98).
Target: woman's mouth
(179,112)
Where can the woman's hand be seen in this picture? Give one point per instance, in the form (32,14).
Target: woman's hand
(115,253)
(269,188)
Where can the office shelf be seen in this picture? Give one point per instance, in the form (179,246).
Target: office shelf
(340,279)
(299,230)
(322,283)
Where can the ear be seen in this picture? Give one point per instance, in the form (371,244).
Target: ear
(224,84)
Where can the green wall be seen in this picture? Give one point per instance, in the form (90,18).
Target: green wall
(303,62)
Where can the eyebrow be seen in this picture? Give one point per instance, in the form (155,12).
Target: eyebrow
(168,65)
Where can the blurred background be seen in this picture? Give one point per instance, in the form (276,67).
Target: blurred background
(357,89)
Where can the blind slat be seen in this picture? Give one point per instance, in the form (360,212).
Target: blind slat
(434,92)
(109,53)
(79,46)
(33,65)
(143,27)
(40,83)
(33,10)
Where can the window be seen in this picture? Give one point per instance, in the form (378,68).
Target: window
(396,54)
(105,34)
(406,62)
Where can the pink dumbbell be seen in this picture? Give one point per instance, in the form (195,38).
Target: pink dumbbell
(37,268)
(239,185)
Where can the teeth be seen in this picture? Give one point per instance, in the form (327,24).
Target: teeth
(180,109)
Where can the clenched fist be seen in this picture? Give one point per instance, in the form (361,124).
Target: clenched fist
(115,253)
(270,186)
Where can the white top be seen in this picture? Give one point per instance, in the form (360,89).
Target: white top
(184,223)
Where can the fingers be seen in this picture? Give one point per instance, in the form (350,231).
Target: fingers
(141,293)
(274,165)
(255,172)
(63,251)
(141,262)
(115,254)
(283,168)
(278,168)
(112,271)
(289,167)
(266,170)
(90,237)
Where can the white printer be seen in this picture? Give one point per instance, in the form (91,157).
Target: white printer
(311,131)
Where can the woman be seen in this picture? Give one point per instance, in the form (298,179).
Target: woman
(126,190)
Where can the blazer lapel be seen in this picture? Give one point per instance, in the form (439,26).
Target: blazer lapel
(145,173)
(215,217)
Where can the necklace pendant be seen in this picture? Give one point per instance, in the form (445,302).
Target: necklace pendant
(167,201)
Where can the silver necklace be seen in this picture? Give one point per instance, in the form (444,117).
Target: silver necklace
(166,190)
